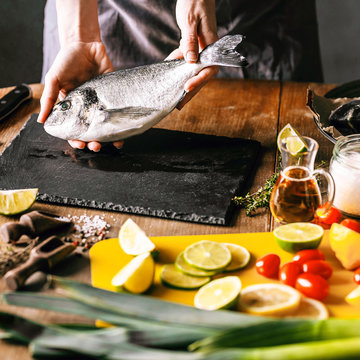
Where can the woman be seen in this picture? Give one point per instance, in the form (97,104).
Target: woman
(84,38)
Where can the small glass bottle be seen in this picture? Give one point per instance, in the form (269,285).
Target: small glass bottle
(345,169)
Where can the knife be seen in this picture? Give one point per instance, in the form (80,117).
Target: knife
(12,100)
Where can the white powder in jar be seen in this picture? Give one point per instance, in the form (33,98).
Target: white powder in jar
(346,175)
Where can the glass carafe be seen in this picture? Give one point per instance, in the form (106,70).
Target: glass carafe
(296,194)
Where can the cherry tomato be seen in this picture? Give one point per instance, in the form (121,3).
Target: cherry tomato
(312,285)
(319,267)
(268,265)
(351,224)
(289,272)
(333,215)
(357,275)
(309,254)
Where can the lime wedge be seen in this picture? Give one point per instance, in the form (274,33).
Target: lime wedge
(221,293)
(269,299)
(294,142)
(310,309)
(187,269)
(172,277)
(240,257)
(207,255)
(137,276)
(133,240)
(298,236)
(16,201)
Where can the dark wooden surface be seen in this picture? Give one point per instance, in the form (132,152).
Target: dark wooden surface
(235,108)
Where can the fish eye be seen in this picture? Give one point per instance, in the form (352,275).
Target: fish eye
(65,105)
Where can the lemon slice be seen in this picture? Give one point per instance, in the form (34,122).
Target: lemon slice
(353,297)
(221,293)
(133,240)
(240,257)
(187,269)
(269,299)
(311,309)
(207,255)
(137,276)
(294,142)
(172,277)
(16,201)
(298,236)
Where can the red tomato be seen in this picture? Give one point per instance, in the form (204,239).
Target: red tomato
(333,215)
(309,254)
(289,272)
(357,275)
(268,265)
(312,285)
(319,267)
(351,224)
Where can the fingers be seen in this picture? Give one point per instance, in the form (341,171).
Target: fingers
(48,98)
(118,144)
(92,145)
(201,78)
(77,144)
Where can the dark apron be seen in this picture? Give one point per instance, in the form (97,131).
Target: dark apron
(281,35)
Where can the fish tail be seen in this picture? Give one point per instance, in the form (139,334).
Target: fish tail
(224,52)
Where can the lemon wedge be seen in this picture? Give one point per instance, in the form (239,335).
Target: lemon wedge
(221,293)
(207,255)
(137,276)
(16,201)
(353,297)
(269,299)
(346,245)
(172,277)
(133,240)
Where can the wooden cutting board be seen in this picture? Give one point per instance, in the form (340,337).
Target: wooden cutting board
(107,258)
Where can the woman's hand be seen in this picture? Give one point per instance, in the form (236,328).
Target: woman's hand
(75,64)
(197,23)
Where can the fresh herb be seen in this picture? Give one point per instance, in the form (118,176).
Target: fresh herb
(258,199)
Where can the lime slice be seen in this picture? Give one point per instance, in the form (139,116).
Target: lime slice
(311,309)
(137,276)
(16,201)
(187,269)
(294,142)
(240,257)
(133,240)
(269,299)
(172,277)
(353,297)
(298,236)
(207,255)
(221,293)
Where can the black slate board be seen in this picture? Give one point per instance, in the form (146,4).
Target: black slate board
(162,173)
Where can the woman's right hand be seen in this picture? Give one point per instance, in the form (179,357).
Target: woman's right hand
(75,64)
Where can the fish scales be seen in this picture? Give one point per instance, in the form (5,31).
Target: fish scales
(123,103)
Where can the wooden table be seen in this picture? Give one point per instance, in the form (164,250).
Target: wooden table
(235,108)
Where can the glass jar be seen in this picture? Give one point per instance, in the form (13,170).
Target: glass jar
(345,169)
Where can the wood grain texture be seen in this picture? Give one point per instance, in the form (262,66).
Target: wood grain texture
(235,108)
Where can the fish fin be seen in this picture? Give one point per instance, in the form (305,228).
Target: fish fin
(133,112)
(224,52)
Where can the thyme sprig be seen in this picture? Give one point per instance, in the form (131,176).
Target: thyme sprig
(258,199)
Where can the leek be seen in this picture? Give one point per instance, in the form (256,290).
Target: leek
(280,332)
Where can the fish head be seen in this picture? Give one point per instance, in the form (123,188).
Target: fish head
(71,117)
